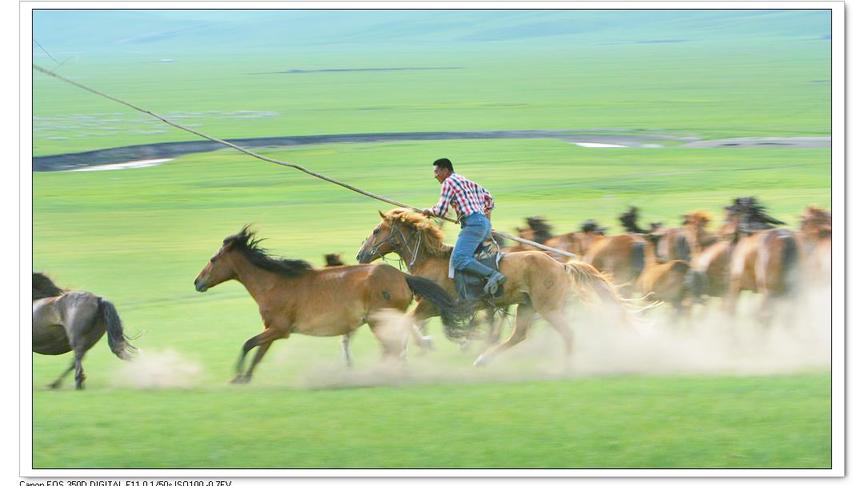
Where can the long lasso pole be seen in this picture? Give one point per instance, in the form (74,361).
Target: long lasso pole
(278,162)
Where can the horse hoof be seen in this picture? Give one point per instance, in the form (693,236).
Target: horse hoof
(240,380)
(481,361)
(427,343)
(54,386)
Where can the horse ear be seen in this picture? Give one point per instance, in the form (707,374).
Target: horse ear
(381,214)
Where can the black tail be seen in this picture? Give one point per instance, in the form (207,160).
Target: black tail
(682,247)
(637,258)
(789,258)
(455,320)
(116,339)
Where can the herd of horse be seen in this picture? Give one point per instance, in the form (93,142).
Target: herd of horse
(684,266)
(681,266)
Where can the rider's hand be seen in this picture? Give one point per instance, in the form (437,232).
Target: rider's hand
(427,212)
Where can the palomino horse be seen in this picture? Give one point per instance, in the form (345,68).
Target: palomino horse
(66,321)
(535,282)
(293,297)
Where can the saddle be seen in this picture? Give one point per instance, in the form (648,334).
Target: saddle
(469,287)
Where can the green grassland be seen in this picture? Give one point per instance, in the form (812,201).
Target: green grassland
(139,237)
(612,422)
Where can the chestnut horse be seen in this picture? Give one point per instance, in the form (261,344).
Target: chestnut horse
(535,282)
(293,297)
(754,255)
(538,230)
(815,239)
(686,242)
(620,256)
(66,321)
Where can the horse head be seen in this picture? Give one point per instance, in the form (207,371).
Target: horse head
(219,268)
(816,222)
(541,230)
(746,216)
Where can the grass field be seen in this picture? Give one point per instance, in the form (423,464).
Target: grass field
(140,236)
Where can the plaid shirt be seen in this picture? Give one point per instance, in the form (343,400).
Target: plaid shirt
(466,197)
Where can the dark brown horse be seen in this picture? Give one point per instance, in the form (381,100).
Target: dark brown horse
(535,282)
(66,321)
(293,297)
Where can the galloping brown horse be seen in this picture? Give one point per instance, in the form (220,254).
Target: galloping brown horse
(293,297)
(535,282)
(539,231)
(620,256)
(752,255)
(686,242)
(815,239)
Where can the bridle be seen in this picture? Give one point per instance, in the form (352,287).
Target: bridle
(396,244)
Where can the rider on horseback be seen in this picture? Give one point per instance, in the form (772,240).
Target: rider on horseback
(473,205)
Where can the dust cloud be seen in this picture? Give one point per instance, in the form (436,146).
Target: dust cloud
(797,338)
(158,369)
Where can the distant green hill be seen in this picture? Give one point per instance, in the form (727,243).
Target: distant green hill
(174,32)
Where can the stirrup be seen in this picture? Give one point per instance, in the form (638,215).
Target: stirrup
(491,286)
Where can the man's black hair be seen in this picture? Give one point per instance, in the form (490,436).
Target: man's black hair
(444,164)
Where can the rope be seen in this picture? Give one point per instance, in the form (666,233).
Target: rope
(277,162)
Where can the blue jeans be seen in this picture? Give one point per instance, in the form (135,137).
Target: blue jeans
(475,229)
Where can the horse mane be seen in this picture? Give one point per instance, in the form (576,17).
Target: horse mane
(43,286)
(542,230)
(628,220)
(431,236)
(751,215)
(591,226)
(817,221)
(816,215)
(246,243)
(333,260)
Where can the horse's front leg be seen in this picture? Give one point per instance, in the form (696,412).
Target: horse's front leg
(495,327)
(346,351)
(525,314)
(262,341)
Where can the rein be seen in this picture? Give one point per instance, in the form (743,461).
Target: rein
(391,238)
